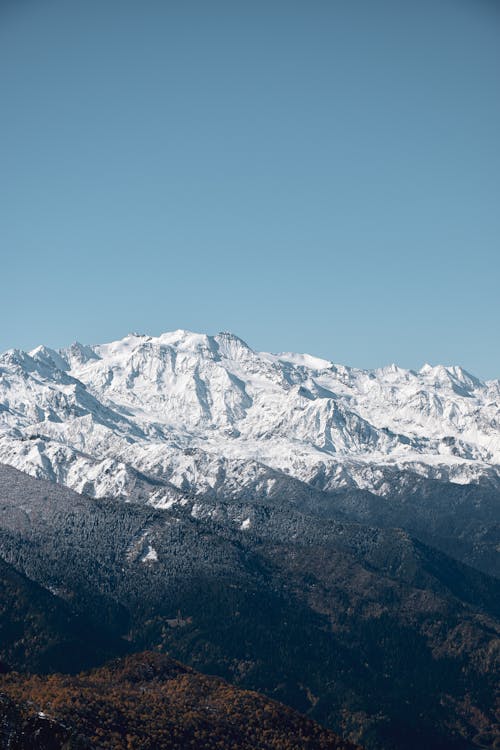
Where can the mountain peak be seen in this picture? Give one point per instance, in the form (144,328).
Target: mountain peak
(231,346)
(192,409)
(80,353)
(49,357)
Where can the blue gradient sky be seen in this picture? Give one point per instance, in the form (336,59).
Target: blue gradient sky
(320,176)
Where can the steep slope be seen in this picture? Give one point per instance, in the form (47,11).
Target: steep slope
(150,702)
(207,414)
(381,638)
(461,520)
(39,631)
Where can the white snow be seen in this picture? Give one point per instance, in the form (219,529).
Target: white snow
(205,414)
(150,556)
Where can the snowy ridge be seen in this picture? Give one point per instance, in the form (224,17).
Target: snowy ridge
(154,417)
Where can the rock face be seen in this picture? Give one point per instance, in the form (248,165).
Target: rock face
(149,417)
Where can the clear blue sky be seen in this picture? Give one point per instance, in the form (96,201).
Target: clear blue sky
(317,176)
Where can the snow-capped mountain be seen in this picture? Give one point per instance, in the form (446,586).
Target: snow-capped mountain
(152,417)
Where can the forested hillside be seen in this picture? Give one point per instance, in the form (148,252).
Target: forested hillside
(379,637)
(150,702)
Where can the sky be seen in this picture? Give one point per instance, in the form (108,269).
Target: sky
(312,176)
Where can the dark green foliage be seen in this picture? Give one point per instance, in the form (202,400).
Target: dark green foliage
(367,630)
(41,633)
(461,520)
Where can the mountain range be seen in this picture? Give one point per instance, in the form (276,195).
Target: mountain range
(184,415)
(188,412)
(324,535)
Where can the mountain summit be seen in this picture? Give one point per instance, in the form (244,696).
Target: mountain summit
(186,412)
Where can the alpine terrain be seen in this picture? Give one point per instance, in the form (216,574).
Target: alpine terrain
(324,535)
(151,416)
